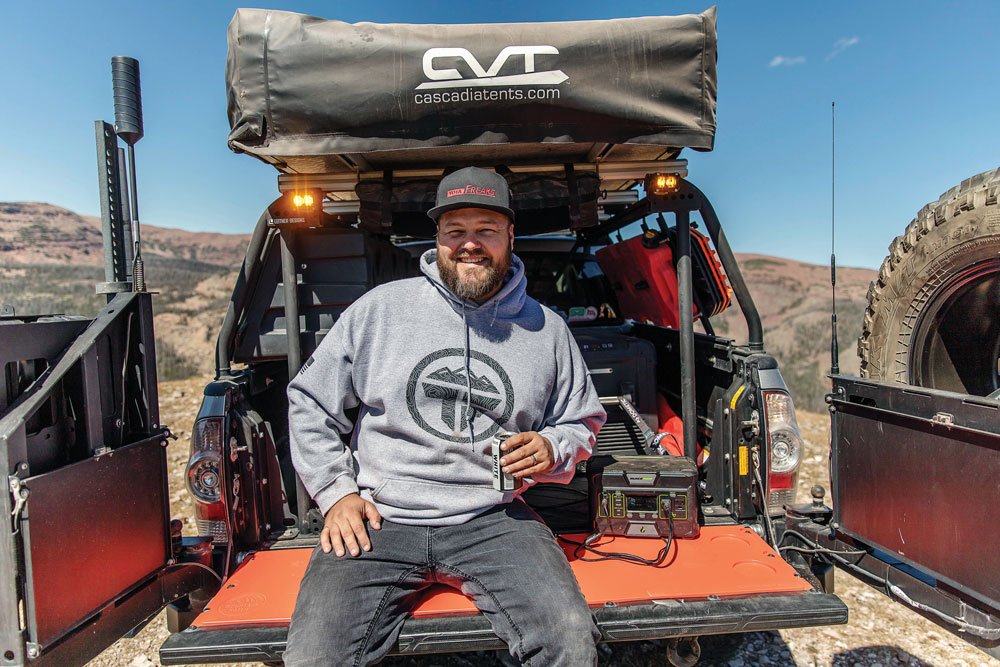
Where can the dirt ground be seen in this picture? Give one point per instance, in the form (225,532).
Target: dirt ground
(879,633)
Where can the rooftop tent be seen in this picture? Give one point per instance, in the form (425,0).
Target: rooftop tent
(314,96)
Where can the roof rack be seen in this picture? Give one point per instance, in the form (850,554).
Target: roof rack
(616,198)
(615,176)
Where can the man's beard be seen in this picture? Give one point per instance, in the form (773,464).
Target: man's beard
(474,289)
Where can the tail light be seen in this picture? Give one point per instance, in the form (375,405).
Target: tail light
(204,477)
(784,450)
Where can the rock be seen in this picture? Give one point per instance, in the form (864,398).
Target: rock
(141,661)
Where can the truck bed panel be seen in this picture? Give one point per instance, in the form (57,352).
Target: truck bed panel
(725,561)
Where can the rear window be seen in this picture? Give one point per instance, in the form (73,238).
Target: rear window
(568,282)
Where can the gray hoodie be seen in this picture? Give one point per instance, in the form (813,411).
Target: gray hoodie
(434,377)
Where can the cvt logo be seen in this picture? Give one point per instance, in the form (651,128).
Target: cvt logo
(451,78)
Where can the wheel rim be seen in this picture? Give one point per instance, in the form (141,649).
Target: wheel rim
(956,340)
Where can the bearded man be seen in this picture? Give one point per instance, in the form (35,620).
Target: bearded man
(436,365)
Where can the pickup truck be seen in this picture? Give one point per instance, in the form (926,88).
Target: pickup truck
(615,236)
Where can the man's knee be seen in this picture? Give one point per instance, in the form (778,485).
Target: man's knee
(319,638)
(577,625)
(569,638)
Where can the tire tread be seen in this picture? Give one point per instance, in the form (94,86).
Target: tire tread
(981,189)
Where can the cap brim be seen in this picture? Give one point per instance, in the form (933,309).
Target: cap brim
(436,212)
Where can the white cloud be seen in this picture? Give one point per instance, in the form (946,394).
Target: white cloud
(842,45)
(787,61)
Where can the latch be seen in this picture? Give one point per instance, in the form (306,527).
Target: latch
(944,418)
(752,424)
(20,496)
(235,448)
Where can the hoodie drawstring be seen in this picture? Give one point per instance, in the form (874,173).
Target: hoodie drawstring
(468,381)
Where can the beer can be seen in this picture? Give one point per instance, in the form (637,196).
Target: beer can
(501,480)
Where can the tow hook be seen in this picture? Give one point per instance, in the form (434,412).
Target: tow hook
(683,651)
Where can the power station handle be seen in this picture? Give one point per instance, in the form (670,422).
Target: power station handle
(128,98)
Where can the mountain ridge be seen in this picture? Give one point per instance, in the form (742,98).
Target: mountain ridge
(50,258)
(39,233)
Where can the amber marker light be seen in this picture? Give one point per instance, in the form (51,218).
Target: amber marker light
(304,207)
(661,184)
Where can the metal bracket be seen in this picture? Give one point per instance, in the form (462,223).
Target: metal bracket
(607,171)
(20,497)
(752,424)
(944,418)
(235,448)
(113,287)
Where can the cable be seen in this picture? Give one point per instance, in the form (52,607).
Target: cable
(617,555)
(892,590)
(982,631)
(771,539)
(201,565)
(803,550)
(814,548)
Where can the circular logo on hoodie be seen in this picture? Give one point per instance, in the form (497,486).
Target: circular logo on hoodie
(439,399)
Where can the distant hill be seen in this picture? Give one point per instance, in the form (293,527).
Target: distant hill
(36,233)
(793,299)
(50,259)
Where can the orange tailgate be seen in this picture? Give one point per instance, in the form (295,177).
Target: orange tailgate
(725,561)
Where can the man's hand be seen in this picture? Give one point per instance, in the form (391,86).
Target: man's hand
(532,456)
(344,525)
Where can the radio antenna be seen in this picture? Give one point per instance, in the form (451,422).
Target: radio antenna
(128,126)
(834,348)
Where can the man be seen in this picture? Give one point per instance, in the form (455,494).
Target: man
(435,366)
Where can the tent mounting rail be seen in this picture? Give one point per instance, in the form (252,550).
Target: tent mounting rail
(608,172)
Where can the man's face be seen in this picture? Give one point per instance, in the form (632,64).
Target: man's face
(474,251)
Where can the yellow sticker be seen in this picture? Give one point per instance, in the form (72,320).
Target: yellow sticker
(736,396)
(744,460)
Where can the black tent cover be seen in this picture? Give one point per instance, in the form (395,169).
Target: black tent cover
(303,90)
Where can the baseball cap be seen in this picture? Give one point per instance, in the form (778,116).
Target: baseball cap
(472,187)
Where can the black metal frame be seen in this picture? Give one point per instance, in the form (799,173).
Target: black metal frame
(129,318)
(290,281)
(682,202)
(947,447)
(100,394)
(686,199)
(29,346)
(116,229)
(248,276)
(880,574)
(941,452)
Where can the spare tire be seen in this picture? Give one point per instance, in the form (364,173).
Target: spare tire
(933,316)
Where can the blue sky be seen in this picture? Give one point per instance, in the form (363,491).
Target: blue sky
(917,109)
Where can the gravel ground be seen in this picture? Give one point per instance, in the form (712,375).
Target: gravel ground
(879,633)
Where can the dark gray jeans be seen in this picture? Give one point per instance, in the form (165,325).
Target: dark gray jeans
(350,610)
